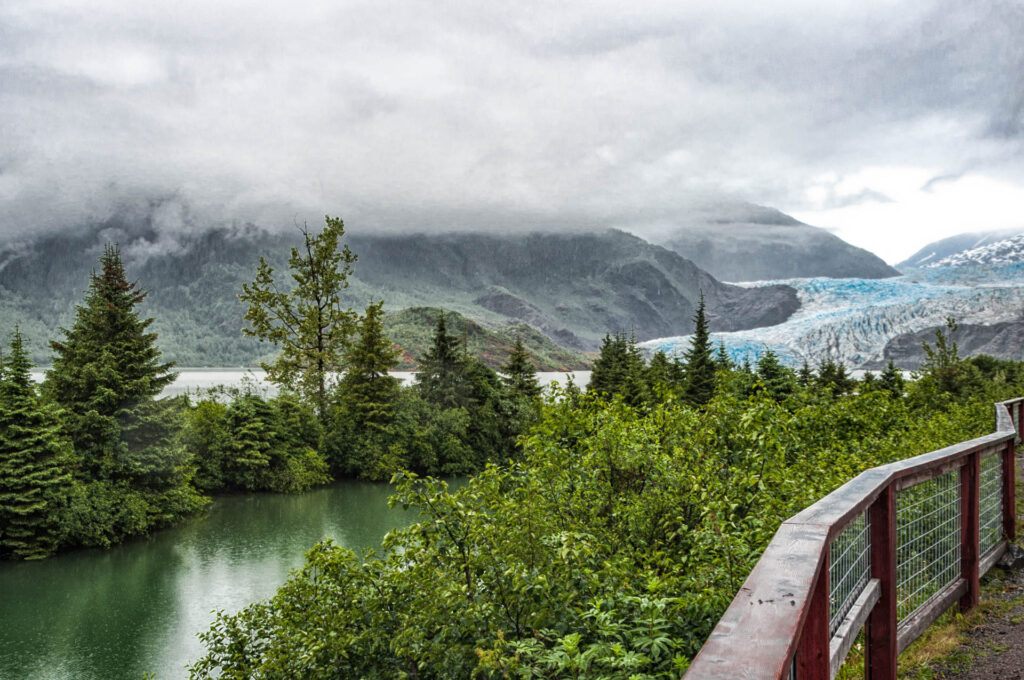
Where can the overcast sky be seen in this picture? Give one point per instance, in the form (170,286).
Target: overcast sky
(891,123)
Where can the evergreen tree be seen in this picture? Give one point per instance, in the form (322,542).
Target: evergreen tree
(661,373)
(805,376)
(722,360)
(776,379)
(367,387)
(34,457)
(620,370)
(891,380)
(868,382)
(105,375)
(699,385)
(308,322)
(520,373)
(832,375)
(442,378)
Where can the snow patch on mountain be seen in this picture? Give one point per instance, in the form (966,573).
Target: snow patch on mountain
(851,320)
(1007,251)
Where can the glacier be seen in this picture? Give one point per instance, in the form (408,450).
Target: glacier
(851,320)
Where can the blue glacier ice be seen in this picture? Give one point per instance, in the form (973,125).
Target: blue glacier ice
(851,320)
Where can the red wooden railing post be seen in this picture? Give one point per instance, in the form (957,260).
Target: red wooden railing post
(1009,493)
(970,474)
(1020,419)
(880,638)
(812,650)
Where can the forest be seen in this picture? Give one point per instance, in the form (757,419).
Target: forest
(93,456)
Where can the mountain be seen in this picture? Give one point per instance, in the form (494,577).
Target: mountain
(939,250)
(1001,340)
(412,330)
(574,288)
(1008,251)
(743,242)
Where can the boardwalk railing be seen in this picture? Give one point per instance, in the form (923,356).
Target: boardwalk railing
(891,549)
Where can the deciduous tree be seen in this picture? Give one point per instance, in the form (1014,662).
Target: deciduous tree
(308,322)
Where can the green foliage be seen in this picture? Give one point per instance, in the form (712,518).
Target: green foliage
(776,380)
(35,458)
(832,376)
(620,370)
(944,375)
(412,329)
(133,472)
(520,375)
(608,549)
(891,380)
(255,444)
(307,322)
(699,386)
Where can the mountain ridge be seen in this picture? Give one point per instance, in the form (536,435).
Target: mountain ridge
(573,287)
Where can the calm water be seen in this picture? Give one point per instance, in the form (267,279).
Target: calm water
(137,607)
(200,379)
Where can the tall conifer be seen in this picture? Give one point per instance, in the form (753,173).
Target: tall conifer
(520,373)
(34,458)
(367,390)
(442,378)
(699,385)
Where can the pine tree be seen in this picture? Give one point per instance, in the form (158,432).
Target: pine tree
(105,375)
(699,385)
(442,378)
(308,323)
(34,459)
(520,373)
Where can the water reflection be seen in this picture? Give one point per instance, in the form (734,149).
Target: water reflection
(137,607)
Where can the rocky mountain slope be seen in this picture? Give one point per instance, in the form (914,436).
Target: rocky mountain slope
(572,287)
(1006,251)
(1001,340)
(752,243)
(944,248)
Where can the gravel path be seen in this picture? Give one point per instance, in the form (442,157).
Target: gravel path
(996,648)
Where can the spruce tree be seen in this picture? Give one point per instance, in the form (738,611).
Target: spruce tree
(367,390)
(776,379)
(699,385)
(832,375)
(520,375)
(442,378)
(106,373)
(805,376)
(34,459)
(891,380)
(722,360)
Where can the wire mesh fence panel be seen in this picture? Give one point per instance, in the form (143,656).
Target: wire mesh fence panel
(990,503)
(849,570)
(927,540)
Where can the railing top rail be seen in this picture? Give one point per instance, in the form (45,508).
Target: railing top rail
(756,637)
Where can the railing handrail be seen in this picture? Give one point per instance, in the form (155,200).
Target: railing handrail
(760,632)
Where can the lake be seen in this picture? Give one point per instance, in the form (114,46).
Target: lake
(200,379)
(115,614)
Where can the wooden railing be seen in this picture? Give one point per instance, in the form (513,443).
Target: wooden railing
(893,549)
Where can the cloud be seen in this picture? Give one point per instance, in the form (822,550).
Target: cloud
(420,115)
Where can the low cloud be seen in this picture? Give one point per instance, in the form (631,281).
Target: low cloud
(488,115)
